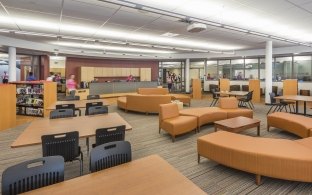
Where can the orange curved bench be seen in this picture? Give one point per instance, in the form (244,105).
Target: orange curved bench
(277,158)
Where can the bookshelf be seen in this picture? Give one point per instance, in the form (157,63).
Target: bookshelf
(7,106)
(32,98)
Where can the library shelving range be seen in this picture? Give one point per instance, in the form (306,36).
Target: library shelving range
(32,98)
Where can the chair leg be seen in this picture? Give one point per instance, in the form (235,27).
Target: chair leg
(173,138)
(289,108)
(212,102)
(87,143)
(81,163)
(159,129)
(277,107)
(285,108)
(270,109)
(198,158)
(252,104)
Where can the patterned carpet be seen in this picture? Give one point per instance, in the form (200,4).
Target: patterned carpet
(209,176)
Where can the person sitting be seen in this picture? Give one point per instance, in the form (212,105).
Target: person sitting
(31,77)
(51,77)
(130,78)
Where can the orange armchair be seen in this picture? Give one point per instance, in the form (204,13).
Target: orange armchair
(171,121)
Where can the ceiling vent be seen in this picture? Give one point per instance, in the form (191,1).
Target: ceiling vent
(196,27)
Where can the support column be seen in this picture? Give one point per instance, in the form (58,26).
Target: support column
(12,64)
(268,71)
(187,76)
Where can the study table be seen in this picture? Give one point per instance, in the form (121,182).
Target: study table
(78,103)
(232,93)
(85,125)
(297,98)
(148,175)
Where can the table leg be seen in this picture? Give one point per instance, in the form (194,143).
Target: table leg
(87,143)
(305,107)
(297,107)
(258,130)
(216,128)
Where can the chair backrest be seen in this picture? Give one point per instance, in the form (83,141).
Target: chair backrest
(249,95)
(71,98)
(272,99)
(33,174)
(92,104)
(61,113)
(110,134)
(228,103)
(168,111)
(110,154)
(213,91)
(63,144)
(98,110)
(93,97)
(66,106)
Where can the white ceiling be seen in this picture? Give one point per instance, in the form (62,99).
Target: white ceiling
(77,21)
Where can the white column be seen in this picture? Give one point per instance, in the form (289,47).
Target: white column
(12,64)
(268,71)
(187,76)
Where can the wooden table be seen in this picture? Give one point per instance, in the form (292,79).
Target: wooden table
(78,103)
(85,125)
(232,93)
(238,124)
(297,98)
(149,175)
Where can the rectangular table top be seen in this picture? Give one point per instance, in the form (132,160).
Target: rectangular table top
(85,125)
(234,93)
(78,103)
(295,98)
(149,175)
(237,122)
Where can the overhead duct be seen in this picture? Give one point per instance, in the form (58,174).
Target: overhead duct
(196,27)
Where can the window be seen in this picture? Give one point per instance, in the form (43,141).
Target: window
(238,69)
(282,68)
(224,69)
(302,67)
(212,70)
(251,69)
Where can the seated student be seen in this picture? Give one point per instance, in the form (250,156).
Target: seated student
(51,77)
(31,77)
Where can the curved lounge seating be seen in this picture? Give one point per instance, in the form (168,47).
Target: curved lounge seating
(293,123)
(143,103)
(228,108)
(290,160)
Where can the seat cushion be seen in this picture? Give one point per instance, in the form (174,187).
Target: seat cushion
(179,125)
(122,102)
(231,113)
(206,114)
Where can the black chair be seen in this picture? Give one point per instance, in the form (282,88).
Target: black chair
(277,106)
(234,87)
(68,106)
(93,97)
(61,113)
(215,97)
(71,98)
(33,174)
(110,134)
(63,144)
(109,155)
(246,101)
(98,110)
(92,104)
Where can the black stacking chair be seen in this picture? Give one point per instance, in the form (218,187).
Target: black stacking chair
(68,106)
(72,98)
(246,101)
(278,106)
(98,110)
(61,113)
(92,104)
(215,97)
(63,144)
(93,97)
(109,155)
(32,174)
(110,134)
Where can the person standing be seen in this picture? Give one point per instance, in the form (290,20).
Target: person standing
(169,82)
(71,85)
(31,77)
(51,77)
(5,77)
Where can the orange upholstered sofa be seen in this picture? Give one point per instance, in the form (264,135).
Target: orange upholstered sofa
(143,103)
(277,158)
(293,123)
(228,108)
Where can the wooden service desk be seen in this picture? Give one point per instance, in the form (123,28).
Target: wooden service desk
(297,98)
(78,103)
(85,125)
(149,175)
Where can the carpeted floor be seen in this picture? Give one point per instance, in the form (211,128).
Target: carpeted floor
(145,140)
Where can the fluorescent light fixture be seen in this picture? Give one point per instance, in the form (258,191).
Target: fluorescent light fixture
(235,28)
(169,34)
(258,34)
(60,58)
(110,48)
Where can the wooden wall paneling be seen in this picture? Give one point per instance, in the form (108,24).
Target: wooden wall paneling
(98,72)
(109,72)
(135,72)
(254,85)
(124,72)
(290,87)
(49,96)
(224,84)
(196,86)
(7,106)
(148,74)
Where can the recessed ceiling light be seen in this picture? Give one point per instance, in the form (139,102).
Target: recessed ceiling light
(169,34)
